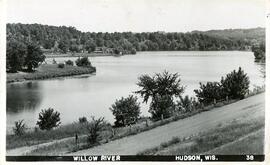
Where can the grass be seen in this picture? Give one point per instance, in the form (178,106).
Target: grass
(255,145)
(47,71)
(38,137)
(213,139)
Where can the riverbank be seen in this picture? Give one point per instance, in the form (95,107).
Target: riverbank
(57,146)
(48,71)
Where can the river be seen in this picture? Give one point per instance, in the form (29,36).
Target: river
(92,95)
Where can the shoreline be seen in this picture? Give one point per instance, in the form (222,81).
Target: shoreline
(126,132)
(48,71)
(55,55)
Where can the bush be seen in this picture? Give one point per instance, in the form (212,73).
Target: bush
(54,61)
(84,62)
(61,65)
(48,119)
(133,51)
(186,104)
(94,128)
(19,128)
(236,84)
(82,120)
(126,111)
(69,62)
(209,92)
(259,52)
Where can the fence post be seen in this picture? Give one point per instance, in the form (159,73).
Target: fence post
(162,117)
(76,140)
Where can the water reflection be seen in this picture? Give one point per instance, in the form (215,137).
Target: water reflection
(23,97)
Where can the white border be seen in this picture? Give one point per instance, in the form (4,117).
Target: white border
(3,100)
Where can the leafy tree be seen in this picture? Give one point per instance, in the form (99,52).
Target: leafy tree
(19,128)
(84,62)
(126,111)
(259,52)
(48,119)
(235,84)
(160,86)
(33,57)
(94,128)
(209,92)
(16,52)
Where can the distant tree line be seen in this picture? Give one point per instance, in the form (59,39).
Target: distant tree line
(68,39)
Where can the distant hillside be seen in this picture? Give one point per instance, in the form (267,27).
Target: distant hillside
(53,39)
(251,35)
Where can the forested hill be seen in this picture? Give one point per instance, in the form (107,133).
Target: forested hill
(68,39)
(253,34)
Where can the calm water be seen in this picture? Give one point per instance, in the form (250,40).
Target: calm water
(89,95)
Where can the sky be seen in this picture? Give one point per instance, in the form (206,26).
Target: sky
(140,15)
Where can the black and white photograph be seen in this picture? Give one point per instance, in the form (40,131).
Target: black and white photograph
(144,80)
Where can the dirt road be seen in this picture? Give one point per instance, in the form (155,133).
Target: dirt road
(247,109)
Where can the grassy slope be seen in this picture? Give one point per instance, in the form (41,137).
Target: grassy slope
(47,71)
(250,144)
(226,139)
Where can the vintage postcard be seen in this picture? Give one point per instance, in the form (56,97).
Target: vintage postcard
(134,81)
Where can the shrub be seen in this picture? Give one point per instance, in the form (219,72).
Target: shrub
(236,84)
(209,91)
(61,65)
(84,62)
(186,104)
(126,111)
(82,120)
(133,51)
(48,119)
(94,128)
(69,62)
(259,52)
(54,61)
(19,128)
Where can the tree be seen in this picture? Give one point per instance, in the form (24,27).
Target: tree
(160,86)
(235,84)
(48,119)
(259,52)
(84,62)
(126,111)
(94,128)
(19,128)
(33,57)
(209,92)
(16,52)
